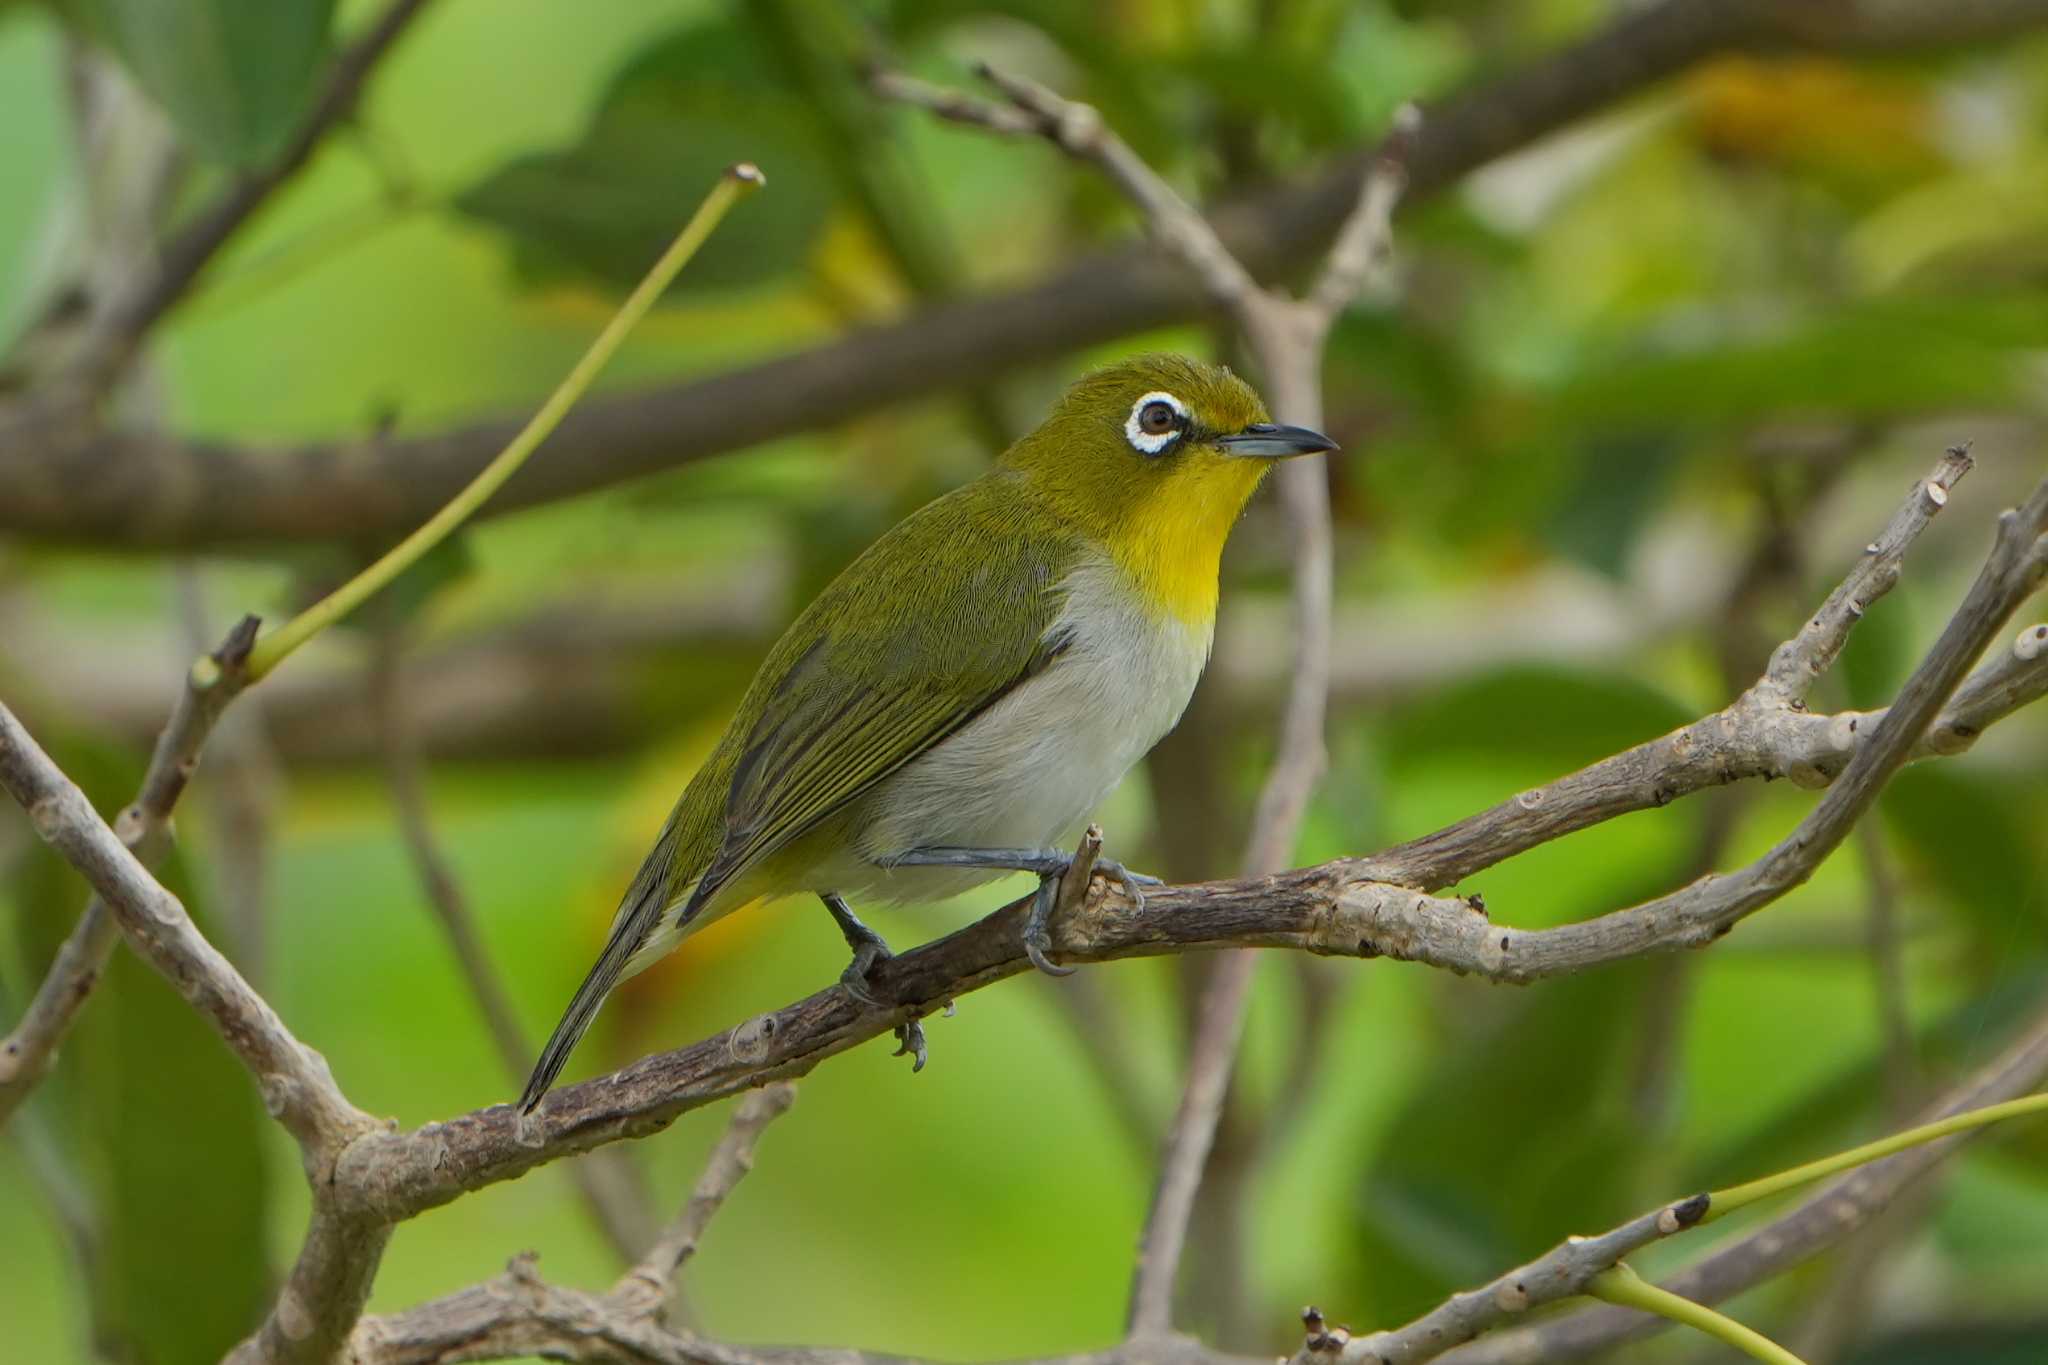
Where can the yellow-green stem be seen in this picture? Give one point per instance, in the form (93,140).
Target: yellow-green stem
(272,649)
(1740,1196)
(1621,1285)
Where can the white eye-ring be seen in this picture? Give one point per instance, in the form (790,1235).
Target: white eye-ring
(1155,422)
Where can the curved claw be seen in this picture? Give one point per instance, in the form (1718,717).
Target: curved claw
(1034,948)
(910,1043)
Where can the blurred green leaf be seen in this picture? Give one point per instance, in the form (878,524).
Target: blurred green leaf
(1269,83)
(1875,357)
(1454,1193)
(178,1134)
(1619,486)
(1976,836)
(1877,657)
(233,75)
(672,119)
(1959,1343)
(1845,1109)
(1557,717)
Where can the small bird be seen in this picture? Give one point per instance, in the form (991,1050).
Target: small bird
(968,689)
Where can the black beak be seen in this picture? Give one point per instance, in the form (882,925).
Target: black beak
(1265,441)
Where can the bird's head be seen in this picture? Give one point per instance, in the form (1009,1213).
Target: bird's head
(1157,455)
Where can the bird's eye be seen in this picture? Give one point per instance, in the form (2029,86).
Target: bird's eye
(1156,422)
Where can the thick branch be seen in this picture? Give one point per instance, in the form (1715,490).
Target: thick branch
(64,476)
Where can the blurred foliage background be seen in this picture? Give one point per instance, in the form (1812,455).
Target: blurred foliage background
(1648,387)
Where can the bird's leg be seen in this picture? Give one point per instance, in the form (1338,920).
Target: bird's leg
(869,949)
(1050,864)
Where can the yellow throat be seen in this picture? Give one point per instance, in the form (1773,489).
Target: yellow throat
(1171,545)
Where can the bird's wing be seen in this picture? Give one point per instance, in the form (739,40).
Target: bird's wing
(939,619)
(971,605)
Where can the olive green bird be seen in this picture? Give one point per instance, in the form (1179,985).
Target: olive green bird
(971,687)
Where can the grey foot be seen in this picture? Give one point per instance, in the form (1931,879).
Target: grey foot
(1037,935)
(1050,864)
(1037,939)
(870,950)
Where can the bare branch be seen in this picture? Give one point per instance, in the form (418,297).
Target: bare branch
(1365,242)
(520,1314)
(647,1285)
(1078,130)
(1211,1059)
(143,826)
(1796,663)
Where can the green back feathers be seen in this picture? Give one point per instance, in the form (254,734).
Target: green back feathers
(935,622)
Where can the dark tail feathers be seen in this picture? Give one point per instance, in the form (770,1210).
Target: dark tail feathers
(637,918)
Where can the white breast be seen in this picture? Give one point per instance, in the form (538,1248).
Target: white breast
(1038,762)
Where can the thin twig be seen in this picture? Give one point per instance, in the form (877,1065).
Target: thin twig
(242,796)
(1286,337)
(1211,1058)
(1620,1285)
(1800,660)
(648,1284)
(607,1181)
(1828,1216)
(1365,242)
